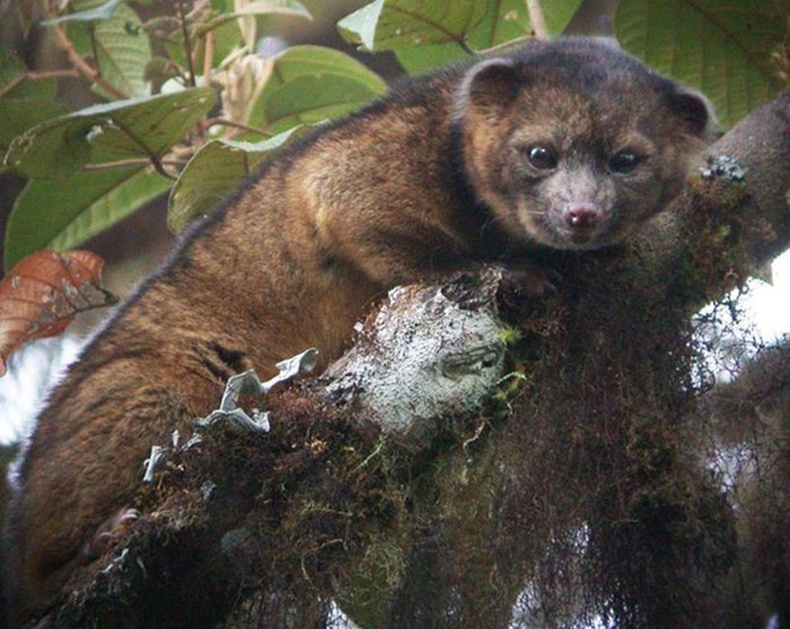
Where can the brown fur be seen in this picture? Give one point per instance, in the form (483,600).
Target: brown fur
(433,177)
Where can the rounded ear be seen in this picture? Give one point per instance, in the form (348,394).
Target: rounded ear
(488,87)
(694,108)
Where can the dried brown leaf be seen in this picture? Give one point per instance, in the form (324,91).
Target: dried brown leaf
(40,296)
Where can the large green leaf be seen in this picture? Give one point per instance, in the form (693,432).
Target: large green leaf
(23,102)
(309,84)
(424,34)
(49,214)
(394,24)
(135,128)
(215,171)
(722,47)
(504,21)
(119,43)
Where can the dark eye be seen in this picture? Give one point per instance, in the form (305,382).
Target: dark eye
(542,157)
(624,162)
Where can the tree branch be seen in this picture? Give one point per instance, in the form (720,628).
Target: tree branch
(317,443)
(733,217)
(416,480)
(761,143)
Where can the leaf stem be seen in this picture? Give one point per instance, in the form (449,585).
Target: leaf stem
(537,19)
(152,157)
(187,42)
(465,47)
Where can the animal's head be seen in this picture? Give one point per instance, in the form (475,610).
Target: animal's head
(574,143)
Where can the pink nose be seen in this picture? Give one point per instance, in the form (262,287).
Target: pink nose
(581,216)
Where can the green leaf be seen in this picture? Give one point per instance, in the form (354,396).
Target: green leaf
(215,171)
(425,34)
(49,214)
(723,47)
(121,46)
(308,100)
(360,26)
(135,128)
(23,103)
(309,84)
(422,59)
(228,11)
(103,12)
(395,24)
(501,22)
(12,71)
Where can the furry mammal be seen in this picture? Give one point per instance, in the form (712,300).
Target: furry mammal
(570,144)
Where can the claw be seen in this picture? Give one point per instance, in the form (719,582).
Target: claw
(109,533)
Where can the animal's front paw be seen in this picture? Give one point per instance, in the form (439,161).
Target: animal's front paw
(109,533)
(529,280)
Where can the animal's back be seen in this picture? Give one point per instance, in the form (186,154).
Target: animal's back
(251,286)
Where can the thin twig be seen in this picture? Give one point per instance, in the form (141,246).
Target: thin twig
(84,68)
(208,57)
(52,74)
(187,42)
(506,46)
(125,163)
(537,20)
